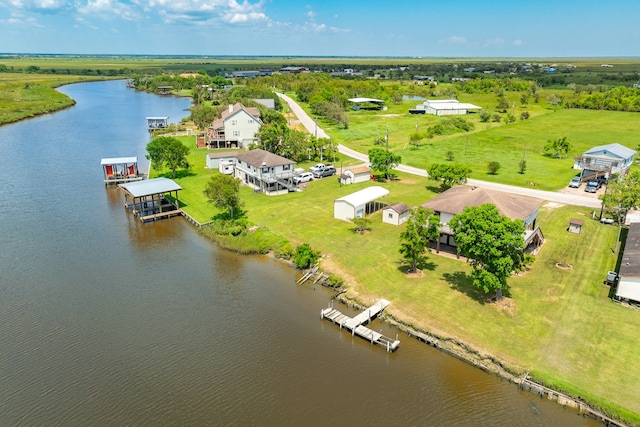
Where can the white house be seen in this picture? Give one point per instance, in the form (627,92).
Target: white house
(444,107)
(237,127)
(355,174)
(605,159)
(265,172)
(359,204)
(396,214)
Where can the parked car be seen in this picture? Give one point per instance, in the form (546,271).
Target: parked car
(317,167)
(592,186)
(303,177)
(575,182)
(328,170)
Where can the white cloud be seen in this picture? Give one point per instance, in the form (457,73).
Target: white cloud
(517,42)
(310,12)
(108,8)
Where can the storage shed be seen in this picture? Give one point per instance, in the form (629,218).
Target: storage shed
(359,204)
(213,159)
(355,174)
(396,214)
(575,226)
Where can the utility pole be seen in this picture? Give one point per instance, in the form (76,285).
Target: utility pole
(387,138)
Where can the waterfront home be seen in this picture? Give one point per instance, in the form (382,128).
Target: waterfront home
(454,200)
(237,127)
(265,172)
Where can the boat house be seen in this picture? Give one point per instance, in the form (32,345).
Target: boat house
(117,170)
(152,199)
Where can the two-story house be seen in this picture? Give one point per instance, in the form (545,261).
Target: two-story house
(265,172)
(237,127)
(604,160)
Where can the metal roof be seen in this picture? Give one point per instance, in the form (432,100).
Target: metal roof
(358,100)
(364,196)
(118,160)
(150,186)
(616,150)
(450,104)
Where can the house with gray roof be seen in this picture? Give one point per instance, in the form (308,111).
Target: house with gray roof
(265,172)
(605,160)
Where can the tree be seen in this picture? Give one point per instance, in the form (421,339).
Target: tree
(383,160)
(304,256)
(421,228)
(623,194)
(449,173)
(560,146)
(224,191)
(554,100)
(166,150)
(361,224)
(493,244)
(522,166)
(203,116)
(493,167)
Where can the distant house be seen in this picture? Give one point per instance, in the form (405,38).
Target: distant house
(237,127)
(444,107)
(265,172)
(359,204)
(355,174)
(396,214)
(454,200)
(604,160)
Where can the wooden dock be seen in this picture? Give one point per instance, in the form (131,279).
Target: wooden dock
(355,324)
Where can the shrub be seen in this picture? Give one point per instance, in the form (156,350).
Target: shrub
(304,256)
(493,167)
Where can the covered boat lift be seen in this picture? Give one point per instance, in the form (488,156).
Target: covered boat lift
(152,199)
(117,170)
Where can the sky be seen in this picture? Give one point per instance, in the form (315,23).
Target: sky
(418,28)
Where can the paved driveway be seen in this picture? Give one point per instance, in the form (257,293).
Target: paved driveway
(566,198)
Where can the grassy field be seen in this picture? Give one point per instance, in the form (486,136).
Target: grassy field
(27,95)
(559,325)
(507,144)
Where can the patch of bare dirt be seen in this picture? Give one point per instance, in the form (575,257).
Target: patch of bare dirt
(563,266)
(418,274)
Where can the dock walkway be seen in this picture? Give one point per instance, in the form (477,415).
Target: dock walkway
(355,324)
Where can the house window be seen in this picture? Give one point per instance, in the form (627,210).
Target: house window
(250,121)
(236,133)
(390,214)
(286,167)
(234,122)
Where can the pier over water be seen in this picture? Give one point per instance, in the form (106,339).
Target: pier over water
(355,324)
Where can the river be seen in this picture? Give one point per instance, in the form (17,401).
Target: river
(106,321)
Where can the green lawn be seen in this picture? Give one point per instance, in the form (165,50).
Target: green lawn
(507,144)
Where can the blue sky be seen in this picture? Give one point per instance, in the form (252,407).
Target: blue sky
(423,28)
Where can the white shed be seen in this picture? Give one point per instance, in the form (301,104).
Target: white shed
(396,214)
(359,204)
(213,159)
(355,174)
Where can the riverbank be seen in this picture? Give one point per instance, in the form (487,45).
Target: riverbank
(25,96)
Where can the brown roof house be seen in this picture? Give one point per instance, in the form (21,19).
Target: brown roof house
(265,172)
(454,200)
(237,127)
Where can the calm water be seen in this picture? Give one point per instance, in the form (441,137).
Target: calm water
(105,321)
